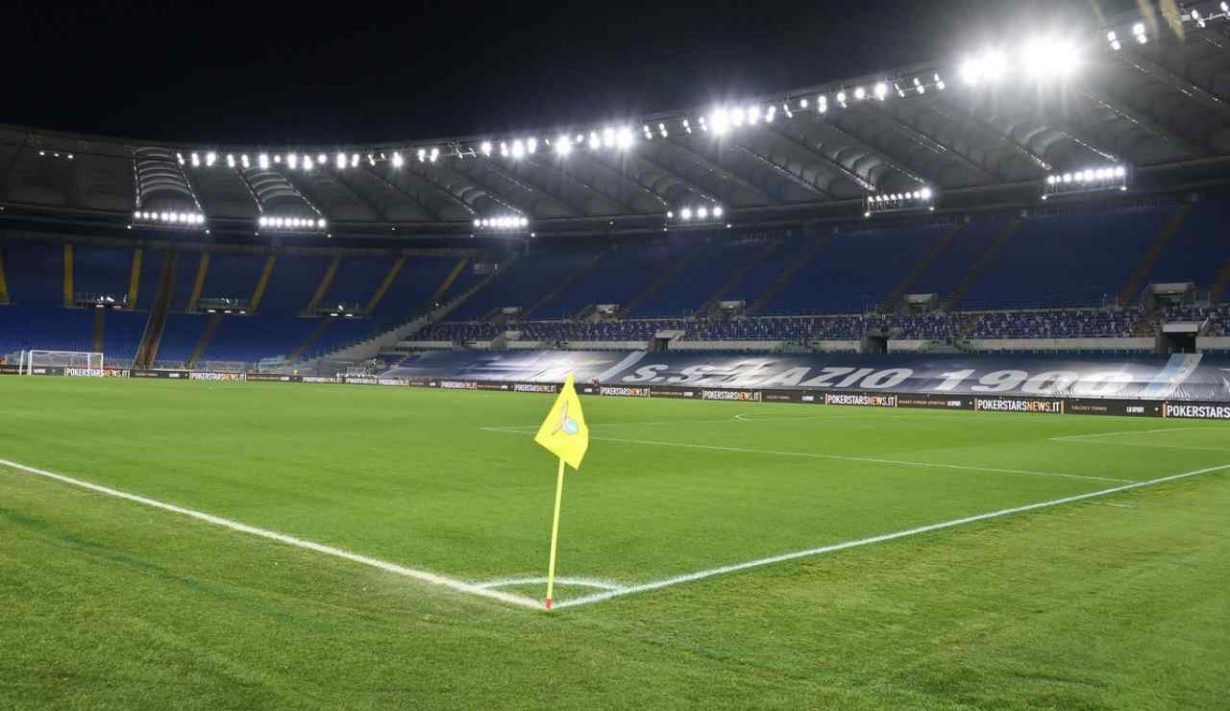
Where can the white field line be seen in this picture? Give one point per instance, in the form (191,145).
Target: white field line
(420,575)
(579,582)
(1095,438)
(795,555)
(1123,432)
(837,457)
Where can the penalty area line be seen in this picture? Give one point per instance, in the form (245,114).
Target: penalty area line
(882,538)
(414,573)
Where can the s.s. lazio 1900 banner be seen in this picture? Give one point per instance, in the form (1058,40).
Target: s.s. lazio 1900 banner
(1173,378)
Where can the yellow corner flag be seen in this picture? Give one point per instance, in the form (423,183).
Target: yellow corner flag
(564,434)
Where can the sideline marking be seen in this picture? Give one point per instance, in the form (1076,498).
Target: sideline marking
(838,457)
(735,567)
(420,575)
(487,589)
(1092,438)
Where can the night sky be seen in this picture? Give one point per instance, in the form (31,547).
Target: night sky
(282,74)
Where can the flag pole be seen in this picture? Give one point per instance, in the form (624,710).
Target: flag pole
(559,495)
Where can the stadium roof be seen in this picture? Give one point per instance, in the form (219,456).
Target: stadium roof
(992,127)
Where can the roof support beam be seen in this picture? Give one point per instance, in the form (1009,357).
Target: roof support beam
(484,188)
(1129,114)
(1135,59)
(443,190)
(783,171)
(531,186)
(572,178)
(624,177)
(713,166)
(845,172)
(690,185)
(290,180)
(1003,136)
(396,189)
(932,144)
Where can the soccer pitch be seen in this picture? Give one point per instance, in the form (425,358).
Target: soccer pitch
(712,504)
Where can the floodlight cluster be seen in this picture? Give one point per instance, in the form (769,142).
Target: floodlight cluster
(291,223)
(697,214)
(505,223)
(56,154)
(919,199)
(1041,58)
(921,195)
(1108,177)
(183,219)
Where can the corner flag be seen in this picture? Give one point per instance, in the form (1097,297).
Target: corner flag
(564,434)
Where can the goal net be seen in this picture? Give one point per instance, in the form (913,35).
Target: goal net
(80,363)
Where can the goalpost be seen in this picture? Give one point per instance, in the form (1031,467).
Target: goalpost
(82,363)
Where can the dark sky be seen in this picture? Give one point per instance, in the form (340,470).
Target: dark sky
(261,72)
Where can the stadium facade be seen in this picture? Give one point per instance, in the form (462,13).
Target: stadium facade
(1064,196)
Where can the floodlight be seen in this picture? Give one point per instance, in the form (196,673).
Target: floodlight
(841,98)
(354,160)
(563,145)
(196,161)
(717,211)
(263,161)
(753,114)
(518,149)
(211,158)
(608,137)
(230,160)
(859,93)
(736,115)
(702,213)
(422,155)
(881,90)
(398,161)
(720,119)
(769,115)
(803,102)
(486,148)
(307,162)
(623,139)
(340,160)
(822,104)
(180,156)
(321,223)
(503,149)
(292,159)
(531,145)
(1045,58)
(1120,171)
(685,214)
(594,142)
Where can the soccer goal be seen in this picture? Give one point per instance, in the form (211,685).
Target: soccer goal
(82,363)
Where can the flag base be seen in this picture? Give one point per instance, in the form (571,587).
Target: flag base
(548,603)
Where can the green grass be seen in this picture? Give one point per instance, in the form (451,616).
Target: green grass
(110,604)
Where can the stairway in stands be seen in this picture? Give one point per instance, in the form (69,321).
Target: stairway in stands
(941,245)
(667,276)
(737,278)
(211,329)
(311,340)
(1145,267)
(156,323)
(569,279)
(986,260)
(805,257)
